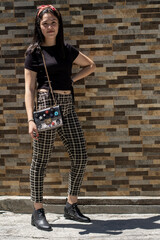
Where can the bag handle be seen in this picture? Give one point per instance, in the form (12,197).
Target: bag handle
(44,62)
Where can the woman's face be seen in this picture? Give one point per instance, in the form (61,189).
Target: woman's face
(49,26)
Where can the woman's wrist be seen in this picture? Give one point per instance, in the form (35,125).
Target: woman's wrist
(31,120)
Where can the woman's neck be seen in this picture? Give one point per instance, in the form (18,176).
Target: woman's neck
(49,43)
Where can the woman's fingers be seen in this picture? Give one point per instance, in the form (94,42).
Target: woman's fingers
(33,131)
(36,134)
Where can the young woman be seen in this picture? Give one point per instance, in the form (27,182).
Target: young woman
(59,57)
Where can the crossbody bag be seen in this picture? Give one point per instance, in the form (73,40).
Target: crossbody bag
(51,117)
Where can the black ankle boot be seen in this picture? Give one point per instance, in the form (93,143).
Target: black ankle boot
(39,220)
(72,212)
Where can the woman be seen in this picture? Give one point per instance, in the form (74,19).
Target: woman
(59,57)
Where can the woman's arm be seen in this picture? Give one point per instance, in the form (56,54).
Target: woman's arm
(88,66)
(30,83)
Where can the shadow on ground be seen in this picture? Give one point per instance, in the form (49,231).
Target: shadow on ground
(113,227)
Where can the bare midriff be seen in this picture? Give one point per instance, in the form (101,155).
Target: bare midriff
(56,91)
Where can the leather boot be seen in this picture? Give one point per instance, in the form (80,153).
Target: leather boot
(39,220)
(72,212)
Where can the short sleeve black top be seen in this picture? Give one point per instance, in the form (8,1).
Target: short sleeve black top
(59,69)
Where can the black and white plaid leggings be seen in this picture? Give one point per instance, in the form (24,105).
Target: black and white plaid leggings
(73,139)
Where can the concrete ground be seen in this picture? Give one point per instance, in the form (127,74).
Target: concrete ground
(16,226)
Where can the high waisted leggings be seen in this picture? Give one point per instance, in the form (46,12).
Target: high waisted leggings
(73,139)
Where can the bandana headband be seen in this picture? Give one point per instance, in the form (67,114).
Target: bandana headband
(42,7)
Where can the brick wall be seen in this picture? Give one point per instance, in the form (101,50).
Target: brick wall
(118,105)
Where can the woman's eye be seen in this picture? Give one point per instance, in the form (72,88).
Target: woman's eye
(47,24)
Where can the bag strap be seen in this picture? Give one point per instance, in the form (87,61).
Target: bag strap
(44,62)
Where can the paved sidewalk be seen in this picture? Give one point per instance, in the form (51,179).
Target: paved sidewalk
(14,226)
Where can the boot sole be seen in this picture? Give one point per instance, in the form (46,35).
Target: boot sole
(33,224)
(77,220)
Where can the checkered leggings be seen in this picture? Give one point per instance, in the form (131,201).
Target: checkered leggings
(73,139)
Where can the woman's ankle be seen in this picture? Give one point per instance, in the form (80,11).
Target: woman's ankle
(38,206)
(72,199)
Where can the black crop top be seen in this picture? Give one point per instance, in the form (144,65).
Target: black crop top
(59,69)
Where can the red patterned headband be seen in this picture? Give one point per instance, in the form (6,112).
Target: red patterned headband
(42,7)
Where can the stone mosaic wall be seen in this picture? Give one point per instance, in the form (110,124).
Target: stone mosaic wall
(118,105)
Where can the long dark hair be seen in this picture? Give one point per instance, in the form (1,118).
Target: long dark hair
(38,37)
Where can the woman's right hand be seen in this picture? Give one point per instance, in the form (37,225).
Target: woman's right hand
(33,130)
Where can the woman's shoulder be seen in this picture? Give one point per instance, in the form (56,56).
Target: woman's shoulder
(69,46)
(72,51)
(32,50)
